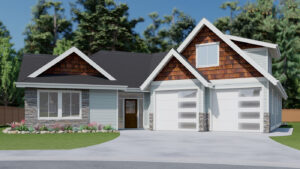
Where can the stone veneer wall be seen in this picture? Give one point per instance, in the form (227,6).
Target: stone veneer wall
(203,121)
(31,110)
(266,122)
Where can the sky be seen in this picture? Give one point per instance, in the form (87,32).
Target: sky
(16,14)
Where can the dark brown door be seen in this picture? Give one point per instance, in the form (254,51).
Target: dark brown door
(130,113)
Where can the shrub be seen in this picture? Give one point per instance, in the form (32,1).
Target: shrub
(19,126)
(100,127)
(68,127)
(37,127)
(92,126)
(56,127)
(44,128)
(108,127)
(30,129)
(22,128)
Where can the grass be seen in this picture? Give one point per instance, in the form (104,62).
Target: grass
(52,141)
(293,140)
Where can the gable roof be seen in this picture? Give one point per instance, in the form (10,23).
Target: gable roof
(130,69)
(273,47)
(66,54)
(225,38)
(182,60)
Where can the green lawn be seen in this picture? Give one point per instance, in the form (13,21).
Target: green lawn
(293,140)
(52,141)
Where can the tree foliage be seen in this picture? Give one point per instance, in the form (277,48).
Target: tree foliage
(9,68)
(167,32)
(46,28)
(103,25)
(61,46)
(265,21)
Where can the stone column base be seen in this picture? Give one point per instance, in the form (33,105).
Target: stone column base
(150,121)
(203,122)
(266,122)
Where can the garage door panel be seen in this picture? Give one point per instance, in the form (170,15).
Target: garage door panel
(236,110)
(176,110)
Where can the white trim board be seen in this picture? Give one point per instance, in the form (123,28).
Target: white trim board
(64,55)
(256,42)
(69,86)
(166,59)
(242,53)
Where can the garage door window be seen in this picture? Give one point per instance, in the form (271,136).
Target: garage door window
(249,109)
(187,109)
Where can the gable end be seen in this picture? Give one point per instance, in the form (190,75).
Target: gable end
(174,70)
(231,64)
(72,65)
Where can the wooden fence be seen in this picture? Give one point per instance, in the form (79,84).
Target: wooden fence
(291,115)
(11,114)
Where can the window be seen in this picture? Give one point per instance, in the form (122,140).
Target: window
(59,104)
(70,104)
(48,104)
(207,55)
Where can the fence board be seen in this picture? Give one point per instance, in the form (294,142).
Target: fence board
(291,115)
(11,114)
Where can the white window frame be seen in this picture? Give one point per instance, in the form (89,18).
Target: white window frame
(59,105)
(207,44)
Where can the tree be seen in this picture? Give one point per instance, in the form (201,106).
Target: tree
(103,25)
(3,31)
(61,46)
(287,67)
(164,34)
(9,68)
(45,28)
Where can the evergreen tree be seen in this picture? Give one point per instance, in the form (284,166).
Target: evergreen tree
(45,28)
(103,25)
(3,31)
(287,67)
(169,32)
(61,46)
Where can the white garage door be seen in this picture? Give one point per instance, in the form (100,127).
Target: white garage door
(237,110)
(176,110)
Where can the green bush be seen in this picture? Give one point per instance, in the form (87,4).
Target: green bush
(108,127)
(68,127)
(44,128)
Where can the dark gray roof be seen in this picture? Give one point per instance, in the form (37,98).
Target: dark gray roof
(130,69)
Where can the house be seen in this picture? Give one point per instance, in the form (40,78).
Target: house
(211,82)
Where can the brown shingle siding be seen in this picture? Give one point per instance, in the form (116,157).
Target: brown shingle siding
(231,64)
(174,70)
(72,65)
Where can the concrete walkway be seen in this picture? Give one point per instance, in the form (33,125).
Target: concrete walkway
(255,149)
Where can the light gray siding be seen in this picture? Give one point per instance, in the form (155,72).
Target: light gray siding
(260,56)
(275,107)
(104,107)
(146,109)
(207,100)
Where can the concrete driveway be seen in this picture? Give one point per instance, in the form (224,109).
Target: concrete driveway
(255,149)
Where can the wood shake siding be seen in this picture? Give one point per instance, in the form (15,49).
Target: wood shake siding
(72,65)
(174,70)
(231,64)
(243,45)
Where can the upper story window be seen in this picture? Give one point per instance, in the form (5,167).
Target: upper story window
(207,55)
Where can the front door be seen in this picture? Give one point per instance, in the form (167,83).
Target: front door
(130,113)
